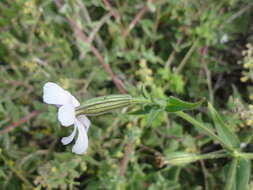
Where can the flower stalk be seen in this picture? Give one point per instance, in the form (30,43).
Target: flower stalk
(204,129)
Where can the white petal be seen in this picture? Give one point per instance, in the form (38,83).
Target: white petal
(54,94)
(73,100)
(66,115)
(81,144)
(69,139)
(85,121)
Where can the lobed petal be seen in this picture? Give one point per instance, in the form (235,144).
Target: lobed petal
(81,143)
(54,94)
(69,139)
(66,115)
(85,121)
(73,100)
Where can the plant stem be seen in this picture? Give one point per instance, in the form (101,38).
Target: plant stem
(246,155)
(141,101)
(203,128)
(214,155)
(187,56)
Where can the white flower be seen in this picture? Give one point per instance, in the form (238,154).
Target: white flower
(54,94)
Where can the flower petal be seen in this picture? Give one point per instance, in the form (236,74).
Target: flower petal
(81,144)
(69,139)
(66,115)
(54,94)
(73,100)
(85,121)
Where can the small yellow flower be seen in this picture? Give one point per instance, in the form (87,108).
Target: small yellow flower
(246,65)
(31,66)
(243,79)
(53,169)
(241,125)
(251,105)
(138,141)
(83,167)
(10,163)
(129,125)
(249,122)
(149,71)
(65,83)
(143,63)
(119,154)
(149,79)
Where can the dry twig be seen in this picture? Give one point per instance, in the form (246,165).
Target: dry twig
(135,21)
(125,160)
(100,58)
(19,122)
(114,13)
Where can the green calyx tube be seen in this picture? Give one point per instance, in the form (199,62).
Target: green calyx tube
(105,104)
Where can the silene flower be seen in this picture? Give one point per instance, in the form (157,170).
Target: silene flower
(70,112)
(54,94)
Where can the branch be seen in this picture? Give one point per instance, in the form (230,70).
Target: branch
(111,10)
(172,55)
(101,60)
(187,56)
(19,122)
(135,20)
(125,160)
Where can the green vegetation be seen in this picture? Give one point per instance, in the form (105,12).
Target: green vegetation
(189,64)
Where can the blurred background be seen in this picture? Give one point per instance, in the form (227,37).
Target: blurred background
(189,49)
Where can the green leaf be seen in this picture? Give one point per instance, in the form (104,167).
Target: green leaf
(238,174)
(153,114)
(144,92)
(230,181)
(174,105)
(223,130)
(243,174)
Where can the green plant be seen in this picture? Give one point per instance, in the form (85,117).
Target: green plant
(93,48)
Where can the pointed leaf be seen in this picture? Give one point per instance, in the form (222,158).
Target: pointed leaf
(144,92)
(223,130)
(174,105)
(231,175)
(243,174)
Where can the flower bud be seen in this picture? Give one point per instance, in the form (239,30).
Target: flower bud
(181,158)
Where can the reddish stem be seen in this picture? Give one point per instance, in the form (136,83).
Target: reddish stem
(101,60)
(111,10)
(19,122)
(135,20)
(125,160)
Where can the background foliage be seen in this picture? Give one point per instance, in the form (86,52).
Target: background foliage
(189,49)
